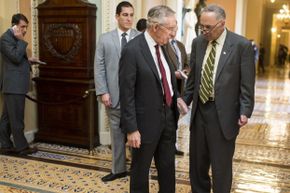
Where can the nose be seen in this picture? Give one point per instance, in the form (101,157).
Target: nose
(130,18)
(172,34)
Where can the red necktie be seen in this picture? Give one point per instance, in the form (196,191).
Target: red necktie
(167,95)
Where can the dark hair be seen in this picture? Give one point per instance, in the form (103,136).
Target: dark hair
(141,24)
(121,5)
(17,17)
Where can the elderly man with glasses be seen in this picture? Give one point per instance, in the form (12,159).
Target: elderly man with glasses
(221,89)
(148,96)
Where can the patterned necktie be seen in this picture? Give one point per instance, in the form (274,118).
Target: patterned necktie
(206,85)
(123,40)
(177,54)
(167,95)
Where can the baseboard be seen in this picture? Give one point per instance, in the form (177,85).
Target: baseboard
(105,138)
(29,135)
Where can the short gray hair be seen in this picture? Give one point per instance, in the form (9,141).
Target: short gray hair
(158,13)
(219,11)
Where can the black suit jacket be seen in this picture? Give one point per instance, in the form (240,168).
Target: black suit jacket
(141,95)
(234,82)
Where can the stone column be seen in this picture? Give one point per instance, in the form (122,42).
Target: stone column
(240,22)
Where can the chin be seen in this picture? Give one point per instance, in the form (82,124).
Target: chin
(129,26)
(205,36)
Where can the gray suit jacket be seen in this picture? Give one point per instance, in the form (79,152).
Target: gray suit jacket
(15,65)
(106,69)
(234,83)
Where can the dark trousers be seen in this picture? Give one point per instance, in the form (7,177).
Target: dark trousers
(163,151)
(208,147)
(12,122)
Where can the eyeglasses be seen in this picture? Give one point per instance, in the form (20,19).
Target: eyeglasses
(208,28)
(171,29)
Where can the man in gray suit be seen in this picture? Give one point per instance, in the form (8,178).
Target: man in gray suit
(221,89)
(107,82)
(14,85)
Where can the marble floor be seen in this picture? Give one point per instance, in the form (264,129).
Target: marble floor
(261,161)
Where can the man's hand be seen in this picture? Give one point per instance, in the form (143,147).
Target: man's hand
(17,32)
(134,139)
(181,74)
(33,60)
(106,100)
(243,120)
(182,107)
(178,75)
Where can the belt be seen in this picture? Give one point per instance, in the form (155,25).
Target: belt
(210,98)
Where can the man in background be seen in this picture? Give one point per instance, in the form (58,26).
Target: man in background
(141,25)
(177,56)
(261,65)
(106,70)
(14,84)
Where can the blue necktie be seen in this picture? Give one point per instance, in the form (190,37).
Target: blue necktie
(177,54)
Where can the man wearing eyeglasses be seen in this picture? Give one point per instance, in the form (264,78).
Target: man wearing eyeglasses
(148,95)
(221,89)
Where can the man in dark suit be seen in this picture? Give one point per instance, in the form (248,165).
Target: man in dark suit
(148,102)
(221,89)
(14,85)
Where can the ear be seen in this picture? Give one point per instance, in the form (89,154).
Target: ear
(224,22)
(155,26)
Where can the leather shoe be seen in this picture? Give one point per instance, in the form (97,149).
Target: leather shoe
(178,152)
(28,150)
(111,176)
(6,150)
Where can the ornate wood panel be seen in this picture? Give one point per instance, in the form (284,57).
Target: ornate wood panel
(67,39)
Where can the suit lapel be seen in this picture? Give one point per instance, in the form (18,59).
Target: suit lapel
(225,53)
(149,58)
(116,42)
(171,55)
(200,57)
(182,53)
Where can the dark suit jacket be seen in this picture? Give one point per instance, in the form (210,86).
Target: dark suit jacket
(173,60)
(141,95)
(15,65)
(234,83)
(172,56)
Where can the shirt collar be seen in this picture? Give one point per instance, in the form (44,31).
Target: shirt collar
(221,39)
(149,39)
(120,32)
